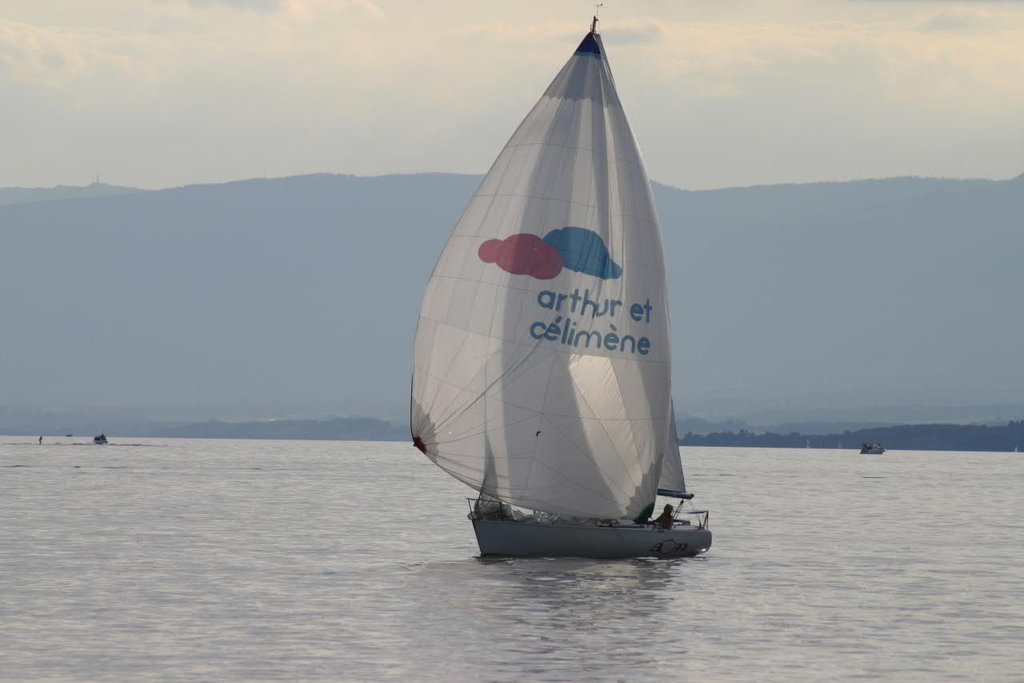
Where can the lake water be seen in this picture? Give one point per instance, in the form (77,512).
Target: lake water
(214,560)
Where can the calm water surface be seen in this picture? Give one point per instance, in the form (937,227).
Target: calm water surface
(213,560)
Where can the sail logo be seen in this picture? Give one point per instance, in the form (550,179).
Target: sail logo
(573,248)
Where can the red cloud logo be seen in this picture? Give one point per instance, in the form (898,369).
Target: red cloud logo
(523,254)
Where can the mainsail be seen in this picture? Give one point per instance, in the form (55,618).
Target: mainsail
(542,358)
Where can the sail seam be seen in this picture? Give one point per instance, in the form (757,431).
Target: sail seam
(552,349)
(604,428)
(605,157)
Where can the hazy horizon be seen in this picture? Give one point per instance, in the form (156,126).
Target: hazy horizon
(137,186)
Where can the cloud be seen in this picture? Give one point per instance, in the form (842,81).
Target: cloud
(165,92)
(258,5)
(584,251)
(958,19)
(638,33)
(523,254)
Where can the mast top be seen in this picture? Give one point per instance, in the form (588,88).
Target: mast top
(597,11)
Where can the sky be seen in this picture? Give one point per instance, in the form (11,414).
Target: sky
(720,93)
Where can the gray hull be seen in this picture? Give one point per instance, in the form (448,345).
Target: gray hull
(526,539)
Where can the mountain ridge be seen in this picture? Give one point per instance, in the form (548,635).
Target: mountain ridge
(272,292)
(22,195)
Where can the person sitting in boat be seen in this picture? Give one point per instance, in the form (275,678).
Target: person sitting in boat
(665,519)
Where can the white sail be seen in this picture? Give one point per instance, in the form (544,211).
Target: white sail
(542,357)
(671,481)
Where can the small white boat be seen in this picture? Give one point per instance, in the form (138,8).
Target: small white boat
(99,440)
(542,369)
(871,449)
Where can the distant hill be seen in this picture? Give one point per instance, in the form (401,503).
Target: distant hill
(342,429)
(22,195)
(924,437)
(82,420)
(930,437)
(297,297)
(694,425)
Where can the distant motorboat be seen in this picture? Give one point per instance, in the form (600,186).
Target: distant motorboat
(871,449)
(99,440)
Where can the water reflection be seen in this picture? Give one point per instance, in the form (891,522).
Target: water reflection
(591,589)
(552,611)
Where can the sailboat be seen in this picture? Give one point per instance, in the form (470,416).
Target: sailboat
(542,358)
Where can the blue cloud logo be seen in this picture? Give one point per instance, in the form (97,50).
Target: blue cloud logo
(584,251)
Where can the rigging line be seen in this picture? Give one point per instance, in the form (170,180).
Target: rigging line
(439,382)
(596,493)
(442,381)
(454,410)
(541,417)
(515,366)
(607,156)
(485,219)
(483,430)
(412,404)
(583,451)
(574,482)
(455,357)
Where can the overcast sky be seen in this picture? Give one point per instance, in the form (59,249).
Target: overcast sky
(157,93)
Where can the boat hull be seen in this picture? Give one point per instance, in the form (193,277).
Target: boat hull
(525,539)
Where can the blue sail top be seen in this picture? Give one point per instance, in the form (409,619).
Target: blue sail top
(589,45)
